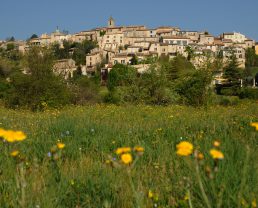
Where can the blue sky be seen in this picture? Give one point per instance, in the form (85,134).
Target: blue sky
(22,18)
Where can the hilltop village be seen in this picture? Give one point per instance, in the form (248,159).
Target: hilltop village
(121,44)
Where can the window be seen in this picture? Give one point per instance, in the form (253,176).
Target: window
(122,61)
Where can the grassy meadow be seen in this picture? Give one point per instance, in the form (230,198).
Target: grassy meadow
(88,173)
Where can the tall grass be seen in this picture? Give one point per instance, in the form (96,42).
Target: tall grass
(92,133)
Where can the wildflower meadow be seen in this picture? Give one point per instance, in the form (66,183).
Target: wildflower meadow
(108,156)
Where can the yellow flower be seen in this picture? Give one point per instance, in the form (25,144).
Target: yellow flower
(200,156)
(186,198)
(184,148)
(15,153)
(9,136)
(254,204)
(126,158)
(108,162)
(216,143)
(19,136)
(12,136)
(60,145)
(216,154)
(150,194)
(138,149)
(122,150)
(254,124)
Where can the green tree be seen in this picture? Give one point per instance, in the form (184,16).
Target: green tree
(33,36)
(39,87)
(177,67)
(193,88)
(121,75)
(81,50)
(134,60)
(10,39)
(190,52)
(10,46)
(232,71)
(250,57)
(154,87)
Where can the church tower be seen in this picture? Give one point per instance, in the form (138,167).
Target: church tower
(111,22)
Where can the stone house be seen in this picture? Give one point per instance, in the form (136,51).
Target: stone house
(249,43)
(234,36)
(206,39)
(65,68)
(177,40)
(93,60)
(122,58)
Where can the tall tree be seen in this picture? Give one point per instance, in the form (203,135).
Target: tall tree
(33,36)
(232,71)
(250,57)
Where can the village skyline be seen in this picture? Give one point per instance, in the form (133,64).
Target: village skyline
(27,19)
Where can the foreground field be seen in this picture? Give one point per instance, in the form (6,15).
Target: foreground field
(85,173)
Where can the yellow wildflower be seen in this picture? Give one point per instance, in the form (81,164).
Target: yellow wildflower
(12,136)
(150,194)
(126,158)
(254,204)
(122,150)
(216,143)
(216,154)
(159,129)
(9,136)
(108,162)
(15,153)
(254,124)
(138,149)
(60,145)
(186,198)
(200,156)
(19,136)
(184,148)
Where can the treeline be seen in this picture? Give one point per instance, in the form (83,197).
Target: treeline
(31,83)
(166,81)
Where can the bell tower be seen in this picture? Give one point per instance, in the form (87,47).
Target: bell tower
(111,22)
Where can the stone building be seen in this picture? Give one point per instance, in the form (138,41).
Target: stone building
(65,68)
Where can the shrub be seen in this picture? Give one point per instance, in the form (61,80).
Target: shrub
(4,86)
(228,101)
(85,90)
(39,88)
(250,93)
(194,87)
(121,75)
(230,91)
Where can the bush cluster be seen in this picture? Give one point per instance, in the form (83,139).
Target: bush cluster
(165,82)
